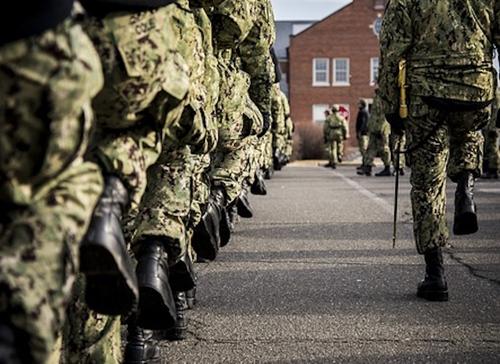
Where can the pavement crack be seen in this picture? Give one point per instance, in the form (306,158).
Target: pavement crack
(473,271)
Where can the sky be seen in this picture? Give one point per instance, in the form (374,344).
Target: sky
(305,9)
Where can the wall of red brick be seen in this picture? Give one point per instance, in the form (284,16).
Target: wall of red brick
(345,34)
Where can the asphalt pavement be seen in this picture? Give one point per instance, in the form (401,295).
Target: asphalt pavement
(313,278)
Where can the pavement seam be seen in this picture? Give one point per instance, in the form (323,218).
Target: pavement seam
(473,271)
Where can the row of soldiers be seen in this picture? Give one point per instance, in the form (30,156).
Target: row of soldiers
(131,132)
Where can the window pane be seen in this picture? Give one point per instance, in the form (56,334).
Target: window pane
(319,112)
(321,76)
(341,70)
(374,70)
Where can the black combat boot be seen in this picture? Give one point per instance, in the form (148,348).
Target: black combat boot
(182,276)
(434,286)
(141,348)
(111,285)
(220,199)
(386,172)
(179,331)
(277,160)
(191,298)
(156,302)
(334,166)
(9,354)
(206,238)
(366,171)
(259,186)
(268,173)
(465,221)
(243,204)
(328,165)
(490,174)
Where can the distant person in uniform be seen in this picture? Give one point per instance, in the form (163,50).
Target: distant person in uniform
(448,47)
(335,131)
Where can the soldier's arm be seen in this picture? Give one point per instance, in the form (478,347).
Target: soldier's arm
(255,52)
(395,40)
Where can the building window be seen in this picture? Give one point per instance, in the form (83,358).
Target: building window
(319,112)
(341,72)
(379,4)
(321,72)
(374,62)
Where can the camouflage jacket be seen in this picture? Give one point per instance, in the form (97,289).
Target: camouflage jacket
(248,27)
(450,57)
(335,127)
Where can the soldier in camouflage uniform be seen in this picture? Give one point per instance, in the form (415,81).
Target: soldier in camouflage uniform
(378,145)
(146,82)
(491,148)
(49,71)
(243,33)
(289,127)
(335,133)
(451,85)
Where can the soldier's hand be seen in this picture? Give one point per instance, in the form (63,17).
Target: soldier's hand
(397,124)
(266,125)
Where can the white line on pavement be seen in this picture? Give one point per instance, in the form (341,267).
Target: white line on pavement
(386,206)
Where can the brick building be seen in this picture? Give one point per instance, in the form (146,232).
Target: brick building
(335,61)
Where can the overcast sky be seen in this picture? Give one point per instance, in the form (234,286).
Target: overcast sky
(305,9)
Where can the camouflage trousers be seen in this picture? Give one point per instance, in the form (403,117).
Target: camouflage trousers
(363,145)
(491,150)
(165,207)
(378,146)
(335,150)
(46,84)
(200,186)
(393,139)
(439,143)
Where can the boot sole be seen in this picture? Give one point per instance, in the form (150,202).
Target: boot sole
(154,314)
(434,296)
(176,334)
(465,224)
(106,291)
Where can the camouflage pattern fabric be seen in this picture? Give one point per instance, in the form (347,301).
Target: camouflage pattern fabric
(444,60)
(146,81)
(393,140)
(450,58)
(335,132)
(378,134)
(363,141)
(278,128)
(165,211)
(289,127)
(47,191)
(141,79)
(453,147)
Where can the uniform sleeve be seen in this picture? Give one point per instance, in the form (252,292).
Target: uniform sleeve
(232,21)
(255,52)
(395,40)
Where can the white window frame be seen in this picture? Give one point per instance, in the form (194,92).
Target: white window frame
(324,107)
(321,83)
(348,71)
(373,80)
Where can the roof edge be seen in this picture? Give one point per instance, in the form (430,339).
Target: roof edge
(324,19)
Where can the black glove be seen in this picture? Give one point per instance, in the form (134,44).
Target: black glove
(397,124)
(266,125)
